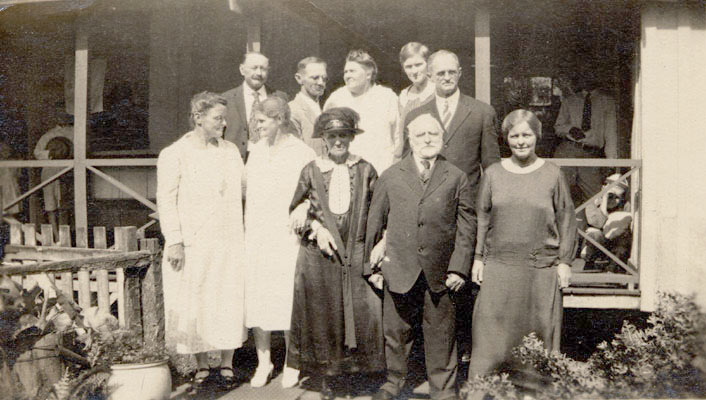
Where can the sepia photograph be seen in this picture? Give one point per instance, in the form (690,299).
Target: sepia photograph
(352,199)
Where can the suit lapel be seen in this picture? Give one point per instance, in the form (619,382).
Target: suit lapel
(304,106)
(239,98)
(438,176)
(411,175)
(463,110)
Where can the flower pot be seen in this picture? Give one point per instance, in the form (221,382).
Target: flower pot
(149,381)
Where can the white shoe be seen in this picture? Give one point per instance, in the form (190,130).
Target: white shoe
(290,377)
(262,375)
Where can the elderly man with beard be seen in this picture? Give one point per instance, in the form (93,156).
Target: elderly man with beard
(312,77)
(425,204)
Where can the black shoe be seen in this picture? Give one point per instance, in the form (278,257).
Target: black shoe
(199,383)
(383,394)
(226,382)
(326,389)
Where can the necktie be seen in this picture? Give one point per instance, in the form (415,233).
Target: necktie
(446,114)
(426,172)
(586,121)
(254,136)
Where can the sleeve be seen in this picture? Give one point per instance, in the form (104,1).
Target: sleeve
(302,193)
(168,178)
(562,126)
(490,152)
(611,130)
(484,204)
(466,223)
(565,220)
(377,220)
(395,130)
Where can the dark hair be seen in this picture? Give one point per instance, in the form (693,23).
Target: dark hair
(363,58)
(204,101)
(519,116)
(60,148)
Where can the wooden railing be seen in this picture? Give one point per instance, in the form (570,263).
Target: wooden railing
(128,275)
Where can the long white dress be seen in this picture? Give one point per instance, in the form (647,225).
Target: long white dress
(379,117)
(271,248)
(200,205)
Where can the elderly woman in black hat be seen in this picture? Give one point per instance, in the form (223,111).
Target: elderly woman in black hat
(337,315)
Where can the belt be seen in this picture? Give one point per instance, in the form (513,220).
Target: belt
(585,146)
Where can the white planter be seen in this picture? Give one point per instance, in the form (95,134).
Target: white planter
(151,381)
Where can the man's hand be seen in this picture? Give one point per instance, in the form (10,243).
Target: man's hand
(175,256)
(454,282)
(477,272)
(325,241)
(376,280)
(378,254)
(564,275)
(297,219)
(576,135)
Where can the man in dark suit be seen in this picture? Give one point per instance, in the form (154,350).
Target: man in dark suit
(470,142)
(425,204)
(241,99)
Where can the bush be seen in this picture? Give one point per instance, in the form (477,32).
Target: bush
(665,360)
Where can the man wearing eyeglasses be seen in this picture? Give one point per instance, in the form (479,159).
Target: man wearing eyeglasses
(470,143)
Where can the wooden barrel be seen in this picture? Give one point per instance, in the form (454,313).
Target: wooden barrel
(39,366)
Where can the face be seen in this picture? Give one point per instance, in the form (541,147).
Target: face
(416,69)
(265,126)
(313,79)
(445,73)
(254,70)
(212,121)
(356,76)
(425,137)
(338,143)
(522,141)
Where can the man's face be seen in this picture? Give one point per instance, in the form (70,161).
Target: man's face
(445,73)
(313,79)
(425,137)
(254,70)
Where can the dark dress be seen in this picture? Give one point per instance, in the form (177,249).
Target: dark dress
(337,315)
(526,226)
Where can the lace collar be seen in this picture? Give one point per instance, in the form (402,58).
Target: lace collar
(325,164)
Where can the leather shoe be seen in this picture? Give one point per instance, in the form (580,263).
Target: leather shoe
(383,394)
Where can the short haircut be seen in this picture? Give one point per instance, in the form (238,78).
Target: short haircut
(363,58)
(412,49)
(519,116)
(421,118)
(204,101)
(276,106)
(301,66)
(440,53)
(253,53)
(60,148)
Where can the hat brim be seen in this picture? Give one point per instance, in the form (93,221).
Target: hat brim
(353,131)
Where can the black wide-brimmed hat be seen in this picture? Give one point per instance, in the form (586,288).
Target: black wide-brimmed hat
(338,119)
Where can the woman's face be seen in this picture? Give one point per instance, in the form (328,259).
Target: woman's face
(212,121)
(356,76)
(338,143)
(416,69)
(265,126)
(522,141)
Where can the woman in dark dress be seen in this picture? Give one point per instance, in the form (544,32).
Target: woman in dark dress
(525,244)
(337,315)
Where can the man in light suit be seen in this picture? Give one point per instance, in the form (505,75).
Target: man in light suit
(254,70)
(470,142)
(312,77)
(425,204)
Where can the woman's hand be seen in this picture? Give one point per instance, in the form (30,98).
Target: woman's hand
(297,219)
(378,254)
(175,256)
(325,240)
(376,280)
(477,272)
(564,275)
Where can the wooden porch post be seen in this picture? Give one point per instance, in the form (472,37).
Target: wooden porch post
(482,53)
(254,34)
(80,122)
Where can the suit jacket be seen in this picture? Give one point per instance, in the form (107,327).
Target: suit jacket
(471,140)
(430,230)
(237,120)
(303,118)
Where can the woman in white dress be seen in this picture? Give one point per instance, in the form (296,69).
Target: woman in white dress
(199,197)
(273,169)
(381,141)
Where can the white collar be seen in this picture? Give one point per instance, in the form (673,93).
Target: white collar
(248,91)
(309,102)
(509,166)
(418,161)
(325,164)
(453,101)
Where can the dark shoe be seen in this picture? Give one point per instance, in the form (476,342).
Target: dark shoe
(226,382)
(326,389)
(383,394)
(197,382)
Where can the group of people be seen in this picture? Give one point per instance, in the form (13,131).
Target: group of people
(354,226)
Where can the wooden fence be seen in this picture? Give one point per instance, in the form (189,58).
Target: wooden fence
(128,274)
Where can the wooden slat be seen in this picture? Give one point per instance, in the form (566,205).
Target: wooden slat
(22,252)
(587,278)
(607,252)
(108,263)
(84,276)
(482,53)
(596,162)
(16,234)
(68,163)
(152,296)
(124,188)
(30,234)
(99,242)
(128,281)
(36,188)
(125,162)
(80,121)
(605,189)
(47,238)
(66,277)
